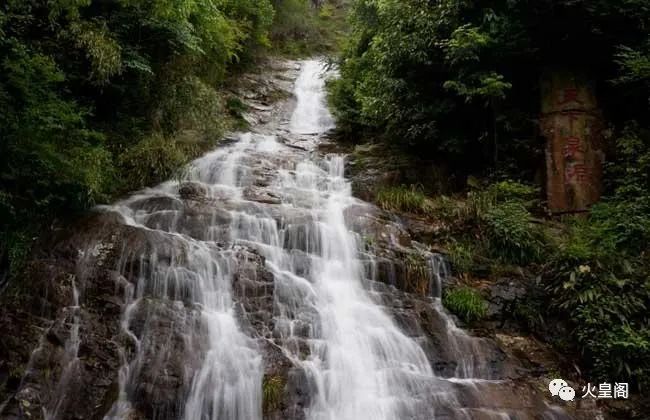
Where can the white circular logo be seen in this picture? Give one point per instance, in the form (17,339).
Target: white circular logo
(567,393)
(556,385)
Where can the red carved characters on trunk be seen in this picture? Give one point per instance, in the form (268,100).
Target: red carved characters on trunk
(572,125)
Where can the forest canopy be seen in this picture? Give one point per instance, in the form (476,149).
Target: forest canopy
(451,77)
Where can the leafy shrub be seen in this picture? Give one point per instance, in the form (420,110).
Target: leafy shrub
(606,301)
(620,227)
(479,203)
(481,199)
(447,208)
(300,28)
(461,256)
(403,198)
(236,108)
(453,78)
(511,236)
(86,105)
(152,160)
(628,171)
(188,103)
(50,159)
(14,250)
(466,303)
(598,276)
(505,191)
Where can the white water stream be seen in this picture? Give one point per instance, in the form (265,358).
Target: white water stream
(358,363)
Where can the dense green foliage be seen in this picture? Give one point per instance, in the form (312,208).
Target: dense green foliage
(101,97)
(511,235)
(402,198)
(459,82)
(302,29)
(466,303)
(497,220)
(594,270)
(600,274)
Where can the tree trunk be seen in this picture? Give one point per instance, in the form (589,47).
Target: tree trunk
(572,124)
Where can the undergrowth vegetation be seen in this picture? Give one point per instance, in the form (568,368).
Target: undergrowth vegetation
(304,29)
(510,234)
(593,269)
(598,277)
(272,389)
(493,222)
(466,303)
(417,275)
(458,85)
(403,198)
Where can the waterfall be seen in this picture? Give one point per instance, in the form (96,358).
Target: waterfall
(360,364)
(311,115)
(260,219)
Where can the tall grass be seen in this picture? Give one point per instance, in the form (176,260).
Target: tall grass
(402,198)
(272,389)
(466,303)
(417,274)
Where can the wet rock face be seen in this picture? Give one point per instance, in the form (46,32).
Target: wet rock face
(164,370)
(82,314)
(192,191)
(48,370)
(104,259)
(167,326)
(254,289)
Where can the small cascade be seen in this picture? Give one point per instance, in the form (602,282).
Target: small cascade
(311,115)
(358,362)
(70,358)
(467,350)
(195,277)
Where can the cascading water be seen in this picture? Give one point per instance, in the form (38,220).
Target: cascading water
(186,343)
(359,364)
(311,115)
